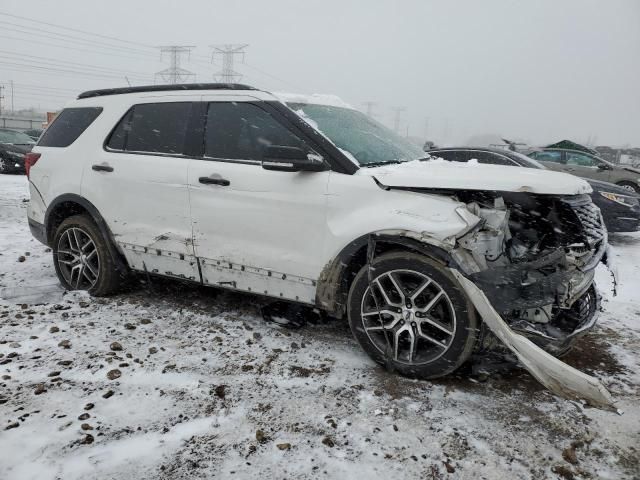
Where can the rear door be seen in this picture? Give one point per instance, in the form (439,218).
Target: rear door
(138,182)
(255,230)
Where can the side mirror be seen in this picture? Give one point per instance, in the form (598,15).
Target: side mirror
(604,166)
(292,159)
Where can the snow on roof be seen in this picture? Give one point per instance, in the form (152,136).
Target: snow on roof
(315,99)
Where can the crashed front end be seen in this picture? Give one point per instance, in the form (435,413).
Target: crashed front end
(534,257)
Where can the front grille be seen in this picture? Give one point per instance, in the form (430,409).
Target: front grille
(591,221)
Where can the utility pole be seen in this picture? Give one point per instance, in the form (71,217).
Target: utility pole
(1,97)
(369,106)
(175,74)
(396,119)
(228,53)
(12,107)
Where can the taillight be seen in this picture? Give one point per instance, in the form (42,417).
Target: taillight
(30,160)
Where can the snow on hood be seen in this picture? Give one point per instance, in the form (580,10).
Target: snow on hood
(439,173)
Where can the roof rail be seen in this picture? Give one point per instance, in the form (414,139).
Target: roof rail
(163,88)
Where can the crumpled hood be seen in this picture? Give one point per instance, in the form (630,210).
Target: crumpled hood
(442,174)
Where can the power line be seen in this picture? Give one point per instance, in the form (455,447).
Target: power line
(175,74)
(228,53)
(67,47)
(45,61)
(28,67)
(25,30)
(75,30)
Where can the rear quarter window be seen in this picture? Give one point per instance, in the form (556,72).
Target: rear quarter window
(68,126)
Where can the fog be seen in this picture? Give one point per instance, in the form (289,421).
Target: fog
(535,71)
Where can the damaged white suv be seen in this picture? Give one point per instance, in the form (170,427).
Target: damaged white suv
(308,200)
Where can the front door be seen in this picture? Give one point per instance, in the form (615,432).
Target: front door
(584,165)
(138,182)
(255,230)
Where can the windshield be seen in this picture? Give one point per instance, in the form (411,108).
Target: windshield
(17,138)
(528,161)
(367,141)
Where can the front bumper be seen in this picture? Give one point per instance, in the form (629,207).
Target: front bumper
(544,281)
(550,285)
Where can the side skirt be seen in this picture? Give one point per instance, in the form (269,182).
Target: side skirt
(220,273)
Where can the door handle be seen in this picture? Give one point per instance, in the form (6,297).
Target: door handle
(214,179)
(102,168)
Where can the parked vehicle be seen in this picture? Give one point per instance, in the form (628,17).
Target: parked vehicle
(584,164)
(13,146)
(34,133)
(620,208)
(303,198)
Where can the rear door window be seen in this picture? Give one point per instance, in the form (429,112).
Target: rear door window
(152,128)
(581,160)
(68,126)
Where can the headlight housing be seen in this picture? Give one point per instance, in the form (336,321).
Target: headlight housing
(626,200)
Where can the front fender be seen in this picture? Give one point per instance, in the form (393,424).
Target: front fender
(335,279)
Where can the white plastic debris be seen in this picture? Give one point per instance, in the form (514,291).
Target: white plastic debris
(557,376)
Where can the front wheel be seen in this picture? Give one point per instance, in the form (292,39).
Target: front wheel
(413,316)
(82,257)
(632,187)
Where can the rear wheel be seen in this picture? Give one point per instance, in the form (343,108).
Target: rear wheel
(632,187)
(82,257)
(413,317)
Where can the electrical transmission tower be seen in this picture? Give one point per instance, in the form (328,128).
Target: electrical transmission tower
(228,53)
(175,74)
(369,106)
(396,119)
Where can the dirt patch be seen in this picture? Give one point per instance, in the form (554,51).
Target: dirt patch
(591,354)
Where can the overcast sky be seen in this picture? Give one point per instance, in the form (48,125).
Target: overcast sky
(534,70)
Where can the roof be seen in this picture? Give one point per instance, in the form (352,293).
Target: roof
(503,151)
(569,145)
(165,88)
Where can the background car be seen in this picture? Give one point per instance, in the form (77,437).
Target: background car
(587,165)
(34,133)
(13,146)
(620,207)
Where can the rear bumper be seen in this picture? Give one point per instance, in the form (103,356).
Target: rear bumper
(38,231)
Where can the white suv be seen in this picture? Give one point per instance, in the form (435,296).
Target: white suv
(305,199)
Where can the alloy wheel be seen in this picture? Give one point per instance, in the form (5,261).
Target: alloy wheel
(408,317)
(78,259)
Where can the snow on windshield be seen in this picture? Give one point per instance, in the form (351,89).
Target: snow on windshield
(362,139)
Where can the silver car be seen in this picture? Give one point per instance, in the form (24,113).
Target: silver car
(584,164)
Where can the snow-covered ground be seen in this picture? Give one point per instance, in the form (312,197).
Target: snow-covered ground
(199,385)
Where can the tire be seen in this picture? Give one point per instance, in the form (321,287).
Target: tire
(443,330)
(83,258)
(629,186)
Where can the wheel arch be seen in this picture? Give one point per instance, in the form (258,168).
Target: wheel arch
(70,204)
(338,274)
